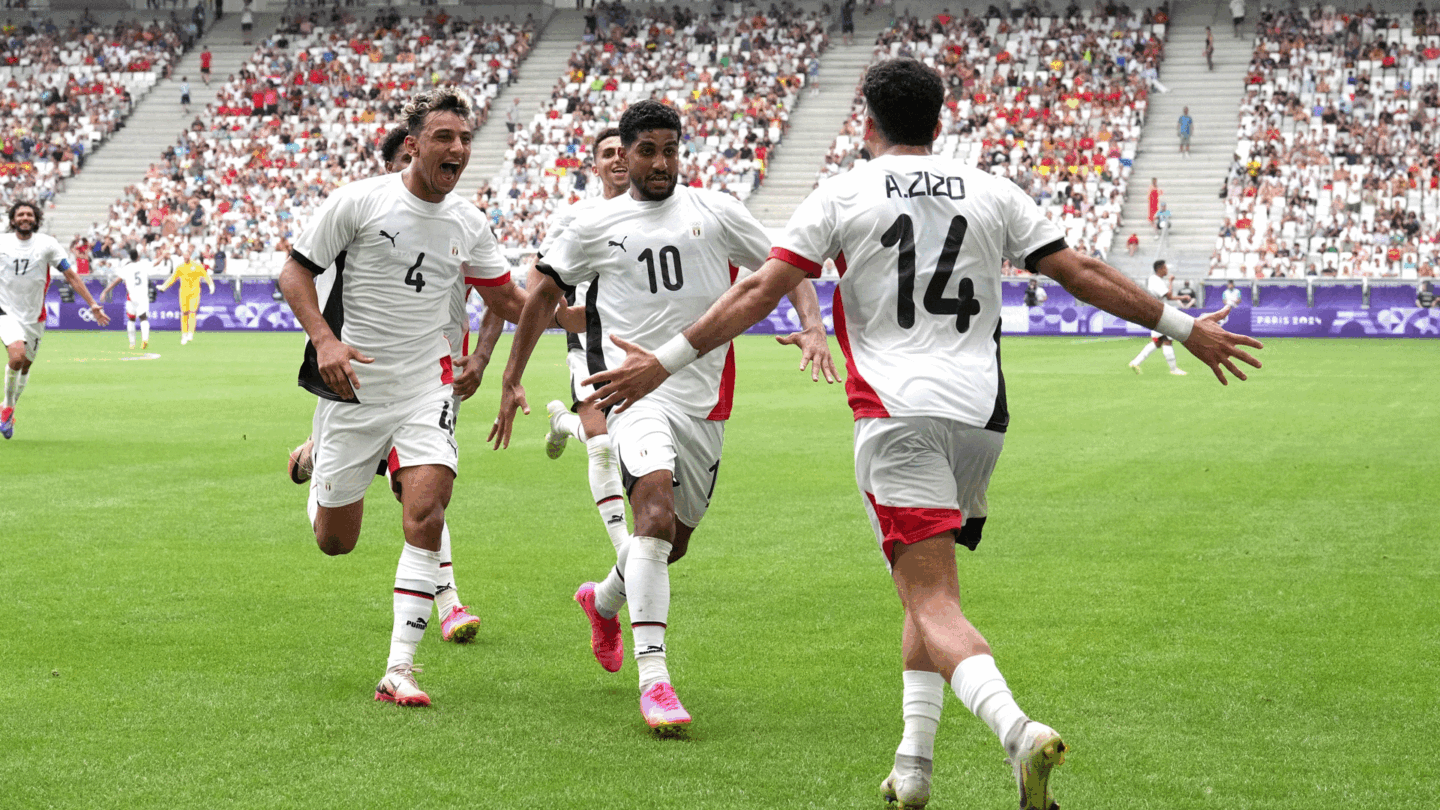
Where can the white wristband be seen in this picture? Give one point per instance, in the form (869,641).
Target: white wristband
(676,354)
(1175,325)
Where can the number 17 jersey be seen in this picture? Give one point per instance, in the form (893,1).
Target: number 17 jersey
(918,242)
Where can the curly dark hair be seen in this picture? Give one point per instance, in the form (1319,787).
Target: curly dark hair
(904,97)
(643,116)
(34,207)
(394,139)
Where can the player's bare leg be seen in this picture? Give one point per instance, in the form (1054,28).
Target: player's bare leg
(144,331)
(647,577)
(337,528)
(424,494)
(939,642)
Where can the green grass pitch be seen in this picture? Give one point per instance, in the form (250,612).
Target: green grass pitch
(1223,597)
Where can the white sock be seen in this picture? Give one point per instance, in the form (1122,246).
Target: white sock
(1144,353)
(446,596)
(10,376)
(981,687)
(20,381)
(1169,352)
(145,330)
(415,579)
(130,331)
(648,574)
(610,593)
(605,487)
(923,699)
(570,423)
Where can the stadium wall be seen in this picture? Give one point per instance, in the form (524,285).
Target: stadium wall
(1340,310)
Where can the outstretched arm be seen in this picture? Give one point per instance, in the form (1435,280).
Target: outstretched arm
(538,311)
(77,284)
(740,308)
(1098,284)
(105,293)
(176,275)
(208,279)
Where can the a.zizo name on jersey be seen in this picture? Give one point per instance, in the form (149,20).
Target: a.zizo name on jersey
(924,184)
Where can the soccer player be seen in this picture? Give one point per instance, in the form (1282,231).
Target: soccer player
(587,423)
(26,257)
(457,623)
(655,259)
(135,275)
(1160,286)
(189,274)
(378,359)
(917,314)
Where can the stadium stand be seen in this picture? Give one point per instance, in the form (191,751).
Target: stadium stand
(1335,169)
(1055,103)
(734,77)
(301,118)
(64,90)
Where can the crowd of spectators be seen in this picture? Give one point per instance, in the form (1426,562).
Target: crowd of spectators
(1335,170)
(1055,103)
(64,90)
(302,117)
(733,77)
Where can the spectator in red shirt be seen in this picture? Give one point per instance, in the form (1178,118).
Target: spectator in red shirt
(205,66)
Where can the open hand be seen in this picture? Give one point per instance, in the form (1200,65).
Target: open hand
(1215,347)
(814,352)
(620,387)
(512,396)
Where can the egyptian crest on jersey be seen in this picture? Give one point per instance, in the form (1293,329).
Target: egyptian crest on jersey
(695,230)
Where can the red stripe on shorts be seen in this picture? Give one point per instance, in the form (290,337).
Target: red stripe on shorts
(911,524)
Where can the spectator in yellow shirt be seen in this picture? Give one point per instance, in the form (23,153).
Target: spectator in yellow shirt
(190,274)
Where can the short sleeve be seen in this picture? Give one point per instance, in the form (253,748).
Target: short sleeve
(568,261)
(747,243)
(57,256)
(1029,236)
(485,265)
(329,233)
(809,237)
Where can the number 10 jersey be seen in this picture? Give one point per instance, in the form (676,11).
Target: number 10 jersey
(654,268)
(918,242)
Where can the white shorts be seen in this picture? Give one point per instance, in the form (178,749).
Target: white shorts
(921,476)
(651,437)
(351,439)
(12,329)
(134,309)
(579,370)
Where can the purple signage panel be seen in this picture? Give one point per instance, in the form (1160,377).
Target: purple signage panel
(257,306)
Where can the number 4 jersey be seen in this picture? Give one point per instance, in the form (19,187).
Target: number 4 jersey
(398,261)
(918,242)
(654,268)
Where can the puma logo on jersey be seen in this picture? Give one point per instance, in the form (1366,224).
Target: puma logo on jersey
(620,244)
(388,236)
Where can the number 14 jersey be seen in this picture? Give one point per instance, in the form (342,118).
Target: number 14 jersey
(654,268)
(918,241)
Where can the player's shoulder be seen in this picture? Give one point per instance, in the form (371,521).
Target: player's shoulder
(380,188)
(719,204)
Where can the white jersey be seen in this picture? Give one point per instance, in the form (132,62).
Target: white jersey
(25,274)
(654,268)
(398,263)
(918,241)
(558,224)
(1160,288)
(136,278)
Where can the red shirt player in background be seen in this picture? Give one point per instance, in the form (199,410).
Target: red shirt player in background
(919,240)
(205,58)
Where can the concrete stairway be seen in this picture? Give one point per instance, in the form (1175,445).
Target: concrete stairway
(1190,186)
(815,122)
(155,124)
(537,77)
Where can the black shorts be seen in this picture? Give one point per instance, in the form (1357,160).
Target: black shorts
(246,26)
(185,99)
(847,27)
(205,70)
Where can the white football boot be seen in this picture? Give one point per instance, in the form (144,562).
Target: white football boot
(1034,752)
(908,785)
